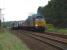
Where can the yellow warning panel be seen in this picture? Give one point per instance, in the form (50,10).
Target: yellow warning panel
(40,23)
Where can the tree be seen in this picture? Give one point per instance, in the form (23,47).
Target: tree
(0,23)
(56,12)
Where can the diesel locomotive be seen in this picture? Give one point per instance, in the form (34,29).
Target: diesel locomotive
(35,22)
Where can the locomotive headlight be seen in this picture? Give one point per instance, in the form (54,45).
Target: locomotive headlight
(36,25)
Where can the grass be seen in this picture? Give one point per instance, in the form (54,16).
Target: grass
(51,28)
(10,42)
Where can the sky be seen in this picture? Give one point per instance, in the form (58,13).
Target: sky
(15,10)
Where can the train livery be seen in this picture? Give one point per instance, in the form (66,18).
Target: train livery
(35,22)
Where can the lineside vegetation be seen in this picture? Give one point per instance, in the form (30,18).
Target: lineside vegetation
(11,42)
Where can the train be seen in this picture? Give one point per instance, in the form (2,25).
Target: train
(34,22)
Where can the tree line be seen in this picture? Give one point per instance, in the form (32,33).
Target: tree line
(55,13)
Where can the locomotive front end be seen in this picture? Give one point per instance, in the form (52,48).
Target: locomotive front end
(40,23)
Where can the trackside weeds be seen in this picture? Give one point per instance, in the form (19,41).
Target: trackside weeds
(10,42)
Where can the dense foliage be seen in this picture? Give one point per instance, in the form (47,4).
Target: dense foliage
(56,13)
(0,23)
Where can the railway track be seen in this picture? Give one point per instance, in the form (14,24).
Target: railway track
(56,40)
(52,39)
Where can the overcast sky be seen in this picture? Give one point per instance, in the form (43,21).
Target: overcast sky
(20,9)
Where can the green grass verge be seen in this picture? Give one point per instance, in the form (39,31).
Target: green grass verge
(10,42)
(51,28)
